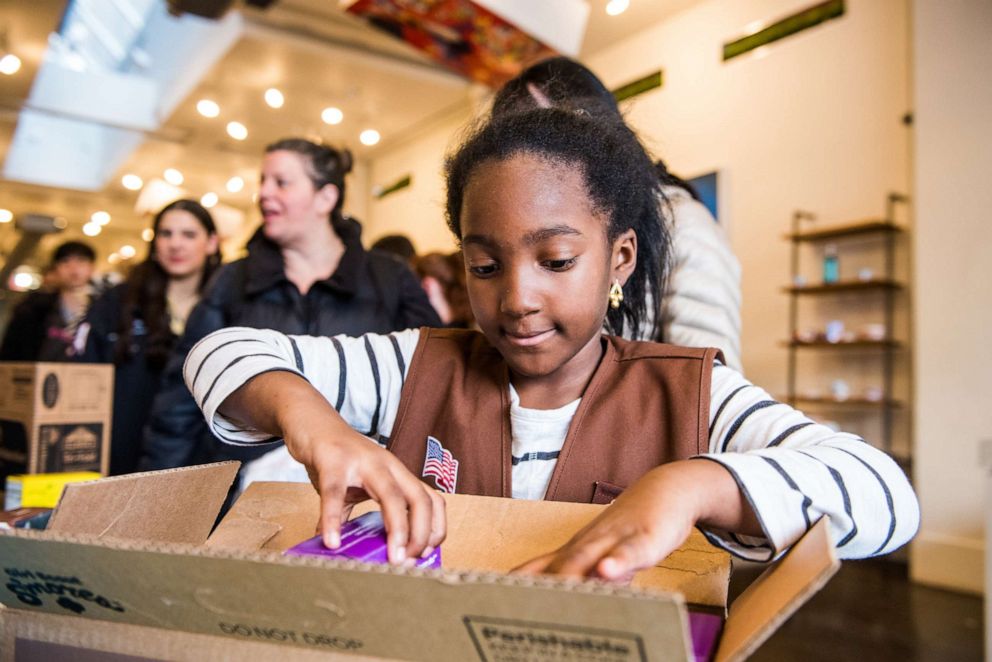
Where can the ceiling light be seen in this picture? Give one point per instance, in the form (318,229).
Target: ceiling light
(6,216)
(617,7)
(113,258)
(132,182)
(23,280)
(237,130)
(369,137)
(207,108)
(208,200)
(174,177)
(147,234)
(91,229)
(127,251)
(235,184)
(100,218)
(274,98)
(10,64)
(332,115)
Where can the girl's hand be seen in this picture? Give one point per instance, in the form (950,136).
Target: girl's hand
(649,521)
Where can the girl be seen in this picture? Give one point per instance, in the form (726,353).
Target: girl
(557,215)
(136,324)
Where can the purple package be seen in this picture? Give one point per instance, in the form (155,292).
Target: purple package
(362,539)
(705,629)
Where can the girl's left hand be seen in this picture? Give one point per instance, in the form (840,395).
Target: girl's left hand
(649,521)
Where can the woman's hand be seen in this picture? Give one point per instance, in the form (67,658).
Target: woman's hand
(649,521)
(344,466)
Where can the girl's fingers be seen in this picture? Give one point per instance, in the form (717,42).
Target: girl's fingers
(421,516)
(626,557)
(536,566)
(393,504)
(439,520)
(332,513)
(580,557)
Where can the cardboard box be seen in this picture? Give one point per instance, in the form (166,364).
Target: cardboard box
(55,417)
(126,567)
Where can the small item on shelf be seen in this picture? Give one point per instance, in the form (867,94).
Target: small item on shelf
(835,331)
(840,390)
(874,394)
(799,280)
(806,335)
(873,331)
(831,264)
(848,336)
(812,394)
(865,274)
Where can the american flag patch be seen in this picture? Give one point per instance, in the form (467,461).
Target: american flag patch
(440,465)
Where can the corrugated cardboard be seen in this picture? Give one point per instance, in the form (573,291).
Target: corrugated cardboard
(315,604)
(48,427)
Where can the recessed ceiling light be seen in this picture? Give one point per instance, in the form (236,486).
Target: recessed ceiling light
(23,280)
(92,229)
(127,251)
(208,200)
(237,130)
(131,182)
(147,234)
(173,176)
(113,258)
(10,64)
(369,137)
(235,184)
(274,98)
(100,217)
(6,216)
(617,7)
(332,115)
(207,108)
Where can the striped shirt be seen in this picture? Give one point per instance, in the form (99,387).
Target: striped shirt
(790,469)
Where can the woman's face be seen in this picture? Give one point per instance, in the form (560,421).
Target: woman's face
(291,207)
(182,244)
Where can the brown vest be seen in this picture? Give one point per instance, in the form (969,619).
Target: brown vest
(646,404)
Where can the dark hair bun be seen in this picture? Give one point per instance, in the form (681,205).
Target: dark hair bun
(345,160)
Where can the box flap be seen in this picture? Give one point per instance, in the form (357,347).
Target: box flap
(269,515)
(175,505)
(778,593)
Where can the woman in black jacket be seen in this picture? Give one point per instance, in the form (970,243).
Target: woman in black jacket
(306,273)
(136,324)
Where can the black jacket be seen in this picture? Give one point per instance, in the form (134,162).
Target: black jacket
(368,293)
(36,331)
(135,381)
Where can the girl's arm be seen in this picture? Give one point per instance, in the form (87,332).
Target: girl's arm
(257,386)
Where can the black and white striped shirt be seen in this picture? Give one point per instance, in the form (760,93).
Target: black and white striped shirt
(791,470)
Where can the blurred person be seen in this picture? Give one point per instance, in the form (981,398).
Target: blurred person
(701,304)
(443,279)
(136,324)
(398,245)
(305,273)
(43,325)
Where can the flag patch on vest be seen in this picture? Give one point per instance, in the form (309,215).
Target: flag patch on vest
(440,465)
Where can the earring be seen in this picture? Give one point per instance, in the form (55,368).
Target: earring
(616,294)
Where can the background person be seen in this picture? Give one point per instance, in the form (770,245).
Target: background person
(136,324)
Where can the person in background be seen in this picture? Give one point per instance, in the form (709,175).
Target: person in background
(136,324)
(305,273)
(443,278)
(398,245)
(43,325)
(701,305)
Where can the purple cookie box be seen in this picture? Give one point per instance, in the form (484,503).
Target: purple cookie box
(704,629)
(362,539)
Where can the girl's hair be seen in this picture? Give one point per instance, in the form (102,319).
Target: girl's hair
(619,178)
(323,164)
(671,179)
(565,83)
(147,287)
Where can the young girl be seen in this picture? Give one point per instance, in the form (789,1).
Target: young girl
(557,215)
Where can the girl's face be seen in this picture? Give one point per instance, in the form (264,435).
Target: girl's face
(182,244)
(289,203)
(540,267)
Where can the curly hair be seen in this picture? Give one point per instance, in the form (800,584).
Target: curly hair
(324,165)
(619,179)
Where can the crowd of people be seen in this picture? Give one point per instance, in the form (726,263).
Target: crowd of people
(583,344)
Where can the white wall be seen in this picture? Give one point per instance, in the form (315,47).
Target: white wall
(953,309)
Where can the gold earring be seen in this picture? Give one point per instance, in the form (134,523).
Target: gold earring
(616,294)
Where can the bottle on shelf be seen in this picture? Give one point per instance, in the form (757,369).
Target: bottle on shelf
(831,264)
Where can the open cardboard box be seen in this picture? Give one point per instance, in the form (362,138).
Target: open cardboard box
(127,567)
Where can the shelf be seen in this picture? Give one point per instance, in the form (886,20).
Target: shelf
(850,403)
(845,286)
(854,344)
(861,227)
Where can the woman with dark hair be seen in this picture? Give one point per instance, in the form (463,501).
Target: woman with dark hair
(306,272)
(701,304)
(136,324)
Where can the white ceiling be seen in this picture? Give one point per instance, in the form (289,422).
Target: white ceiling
(310,50)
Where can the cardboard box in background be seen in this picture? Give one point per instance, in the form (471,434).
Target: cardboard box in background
(55,417)
(132,552)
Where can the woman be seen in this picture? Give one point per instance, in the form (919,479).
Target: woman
(136,324)
(306,273)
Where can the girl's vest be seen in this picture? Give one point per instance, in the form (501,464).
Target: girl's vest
(646,404)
